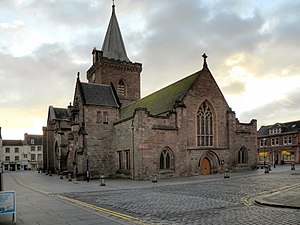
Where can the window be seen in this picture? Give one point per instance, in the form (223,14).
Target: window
(275,130)
(7,158)
(25,156)
(120,160)
(7,150)
(121,88)
(285,141)
(127,160)
(16,150)
(242,156)
(272,141)
(39,148)
(105,117)
(263,142)
(204,125)
(32,148)
(102,117)
(32,157)
(166,160)
(39,157)
(17,158)
(32,141)
(289,140)
(276,141)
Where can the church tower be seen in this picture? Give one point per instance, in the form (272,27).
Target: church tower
(112,66)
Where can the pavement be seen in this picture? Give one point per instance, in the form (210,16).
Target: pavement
(41,199)
(284,198)
(39,207)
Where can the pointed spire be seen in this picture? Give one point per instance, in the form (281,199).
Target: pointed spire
(204,63)
(113,45)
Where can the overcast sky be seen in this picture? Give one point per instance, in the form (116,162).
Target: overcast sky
(253,50)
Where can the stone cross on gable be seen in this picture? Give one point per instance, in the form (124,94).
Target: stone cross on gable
(204,56)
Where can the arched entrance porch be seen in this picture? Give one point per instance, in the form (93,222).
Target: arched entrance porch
(209,163)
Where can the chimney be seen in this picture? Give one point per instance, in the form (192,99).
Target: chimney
(0,133)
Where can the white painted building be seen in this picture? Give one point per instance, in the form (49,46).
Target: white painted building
(21,154)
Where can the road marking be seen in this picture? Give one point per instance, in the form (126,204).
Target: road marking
(87,205)
(103,210)
(246,201)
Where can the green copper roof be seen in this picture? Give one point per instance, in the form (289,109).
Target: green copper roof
(163,100)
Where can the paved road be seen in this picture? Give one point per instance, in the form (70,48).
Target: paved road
(36,207)
(196,200)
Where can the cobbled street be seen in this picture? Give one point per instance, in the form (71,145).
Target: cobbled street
(207,201)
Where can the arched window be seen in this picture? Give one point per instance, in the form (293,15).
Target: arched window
(242,156)
(121,88)
(166,160)
(205,125)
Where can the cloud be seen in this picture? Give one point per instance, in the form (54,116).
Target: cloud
(44,43)
(282,110)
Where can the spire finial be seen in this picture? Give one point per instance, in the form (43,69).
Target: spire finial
(204,57)
(113,3)
(78,74)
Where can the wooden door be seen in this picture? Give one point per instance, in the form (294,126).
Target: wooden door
(205,167)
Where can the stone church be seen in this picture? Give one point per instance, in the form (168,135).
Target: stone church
(184,129)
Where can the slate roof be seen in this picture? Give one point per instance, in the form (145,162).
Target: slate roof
(163,100)
(12,143)
(289,127)
(98,94)
(38,139)
(58,113)
(113,45)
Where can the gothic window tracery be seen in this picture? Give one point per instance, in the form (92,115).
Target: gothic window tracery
(242,156)
(166,160)
(205,125)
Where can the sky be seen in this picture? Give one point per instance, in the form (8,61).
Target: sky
(252,46)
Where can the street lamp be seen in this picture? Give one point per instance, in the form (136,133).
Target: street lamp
(265,143)
(266,167)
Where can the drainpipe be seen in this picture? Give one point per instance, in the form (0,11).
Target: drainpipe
(133,161)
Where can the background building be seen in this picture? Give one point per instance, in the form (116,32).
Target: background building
(22,154)
(279,143)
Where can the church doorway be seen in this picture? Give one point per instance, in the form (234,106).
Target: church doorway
(205,167)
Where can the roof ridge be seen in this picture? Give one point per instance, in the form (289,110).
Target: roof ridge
(164,99)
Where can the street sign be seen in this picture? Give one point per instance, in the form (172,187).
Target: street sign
(8,203)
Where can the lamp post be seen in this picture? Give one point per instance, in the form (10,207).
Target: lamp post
(265,143)
(266,166)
